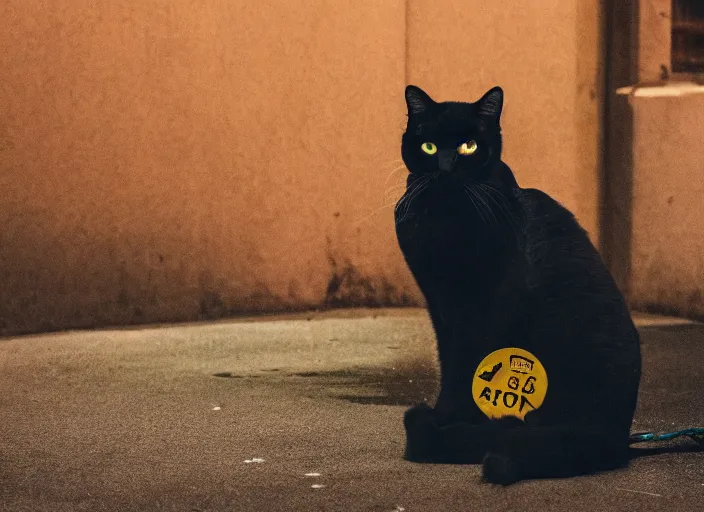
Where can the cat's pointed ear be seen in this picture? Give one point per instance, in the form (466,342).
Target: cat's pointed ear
(417,101)
(491,103)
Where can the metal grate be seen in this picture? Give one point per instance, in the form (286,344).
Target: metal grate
(688,36)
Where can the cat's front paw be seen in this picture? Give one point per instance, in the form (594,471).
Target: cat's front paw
(419,415)
(500,469)
(421,433)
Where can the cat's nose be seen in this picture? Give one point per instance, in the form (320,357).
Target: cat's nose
(446,160)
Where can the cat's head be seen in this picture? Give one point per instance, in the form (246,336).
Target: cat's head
(462,139)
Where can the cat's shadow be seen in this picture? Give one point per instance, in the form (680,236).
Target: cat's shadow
(406,383)
(674,447)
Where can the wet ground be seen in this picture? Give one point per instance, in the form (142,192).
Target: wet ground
(291,413)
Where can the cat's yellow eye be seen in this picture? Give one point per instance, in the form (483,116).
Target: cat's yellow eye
(468,148)
(429,148)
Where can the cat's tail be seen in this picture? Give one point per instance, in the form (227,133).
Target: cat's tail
(554,452)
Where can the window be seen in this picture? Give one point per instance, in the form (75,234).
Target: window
(687,36)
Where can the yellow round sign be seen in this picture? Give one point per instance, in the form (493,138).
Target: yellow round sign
(509,382)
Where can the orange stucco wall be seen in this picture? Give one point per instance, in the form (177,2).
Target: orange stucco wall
(667,259)
(174,160)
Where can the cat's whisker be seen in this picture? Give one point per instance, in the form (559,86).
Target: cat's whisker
(394,192)
(424,183)
(502,210)
(374,212)
(488,193)
(394,196)
(493,193)
(484,207)
(405,201)
(407,197)
(390,162)
(470,195)
(393,199)
(475,205)
(487,208)
(401,183)
(393,173)
(509,215)
(397,185)
(412,188)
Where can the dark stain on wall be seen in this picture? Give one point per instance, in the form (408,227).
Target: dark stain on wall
(687,306)
(347,287)
(140,295)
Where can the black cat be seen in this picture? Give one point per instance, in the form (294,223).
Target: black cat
(501,266)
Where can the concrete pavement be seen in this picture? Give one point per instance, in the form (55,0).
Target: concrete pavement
(167,418)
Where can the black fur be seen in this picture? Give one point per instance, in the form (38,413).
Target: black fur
(501,266)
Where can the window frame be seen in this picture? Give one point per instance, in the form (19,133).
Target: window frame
(654,49)
(689,27)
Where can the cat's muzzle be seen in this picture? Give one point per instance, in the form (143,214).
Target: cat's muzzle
(446,160)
